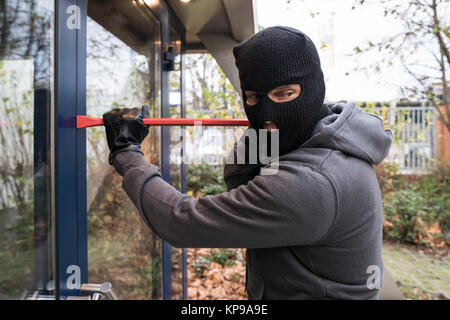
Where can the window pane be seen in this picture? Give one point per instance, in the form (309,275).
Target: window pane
(121,249)
(26,79)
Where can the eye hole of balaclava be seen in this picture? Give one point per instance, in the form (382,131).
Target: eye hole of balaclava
(279,56)
(280,94)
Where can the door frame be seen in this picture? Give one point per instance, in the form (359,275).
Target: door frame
(70,147)
(70,234)
(168,19)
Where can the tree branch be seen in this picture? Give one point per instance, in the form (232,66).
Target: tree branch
(438,34)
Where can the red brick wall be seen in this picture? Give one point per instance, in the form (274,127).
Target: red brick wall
(442,139)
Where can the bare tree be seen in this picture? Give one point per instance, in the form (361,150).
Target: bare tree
(208,88)
(23,36)
(421,47)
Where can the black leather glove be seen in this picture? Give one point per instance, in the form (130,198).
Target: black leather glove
(125,130)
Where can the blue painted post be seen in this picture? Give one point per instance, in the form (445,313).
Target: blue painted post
(71,218)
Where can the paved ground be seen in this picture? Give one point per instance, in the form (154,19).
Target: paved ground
(419,275)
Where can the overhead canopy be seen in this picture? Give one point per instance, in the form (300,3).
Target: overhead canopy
(213,26)
(126,21)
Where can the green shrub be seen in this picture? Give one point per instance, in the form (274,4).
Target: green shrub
(404,209)
(418,211)
(205,179)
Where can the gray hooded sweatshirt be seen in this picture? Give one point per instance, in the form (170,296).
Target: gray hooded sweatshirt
(313,230)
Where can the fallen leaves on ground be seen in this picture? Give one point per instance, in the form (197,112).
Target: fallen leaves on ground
(216,282)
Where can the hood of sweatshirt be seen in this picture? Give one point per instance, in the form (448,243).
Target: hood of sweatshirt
(353,131)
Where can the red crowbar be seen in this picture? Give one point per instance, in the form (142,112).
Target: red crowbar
(85,122)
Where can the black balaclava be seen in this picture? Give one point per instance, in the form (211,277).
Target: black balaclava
(278,56)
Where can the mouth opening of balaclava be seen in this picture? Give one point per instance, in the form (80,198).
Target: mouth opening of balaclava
(279,56)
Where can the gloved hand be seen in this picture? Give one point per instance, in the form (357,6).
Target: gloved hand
(125,130)
(237,173)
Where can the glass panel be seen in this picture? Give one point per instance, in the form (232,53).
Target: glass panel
(121,249)
(209,94)
(175,152)
(26,84)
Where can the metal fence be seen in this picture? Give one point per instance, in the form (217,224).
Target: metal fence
(413,127)
(414,130)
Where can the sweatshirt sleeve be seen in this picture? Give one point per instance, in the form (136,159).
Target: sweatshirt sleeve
(236,174)
(289,208)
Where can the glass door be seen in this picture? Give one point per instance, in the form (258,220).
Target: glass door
(64,219)
(27,255)
(123,70)
(134,58)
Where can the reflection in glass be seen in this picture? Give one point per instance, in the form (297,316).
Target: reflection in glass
(121,249)
(26,54)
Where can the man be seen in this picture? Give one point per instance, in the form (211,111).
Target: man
(314,228)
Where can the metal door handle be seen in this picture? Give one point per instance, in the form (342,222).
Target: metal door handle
(100,289)
(95,292)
